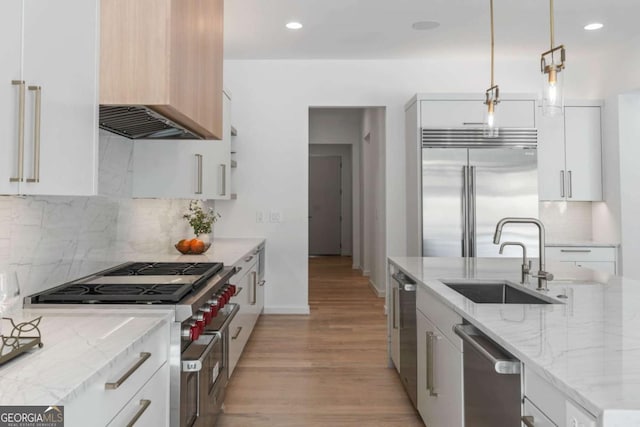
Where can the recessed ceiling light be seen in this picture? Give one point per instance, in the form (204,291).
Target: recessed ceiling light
(593,26)
(294,25)
(425,25)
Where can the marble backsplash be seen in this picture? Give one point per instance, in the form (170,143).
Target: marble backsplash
(567,221)
(51,240)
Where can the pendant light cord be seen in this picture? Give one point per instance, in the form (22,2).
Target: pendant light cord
(551,21)
(492,40)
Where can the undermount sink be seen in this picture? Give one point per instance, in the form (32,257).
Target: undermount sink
(497,292)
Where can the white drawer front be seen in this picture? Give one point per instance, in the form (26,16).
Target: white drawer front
(150,406)
(544,396)
(582,253)
(100,404)
(439,314)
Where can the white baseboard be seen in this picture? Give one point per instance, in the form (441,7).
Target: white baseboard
(288,309)
(379,293)
(366,273)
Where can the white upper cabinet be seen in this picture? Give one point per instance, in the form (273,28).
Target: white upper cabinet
(185,169)
(458,113)
(58,137)
(570,155)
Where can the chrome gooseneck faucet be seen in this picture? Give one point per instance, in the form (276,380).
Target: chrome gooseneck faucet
(542,276)
(526,266)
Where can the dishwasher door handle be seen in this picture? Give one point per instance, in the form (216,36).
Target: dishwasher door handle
(501,365)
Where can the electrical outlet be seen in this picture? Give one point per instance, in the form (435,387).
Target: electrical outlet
(275,216)
(259,216)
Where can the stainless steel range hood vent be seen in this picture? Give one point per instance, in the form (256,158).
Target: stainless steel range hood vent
(140,122)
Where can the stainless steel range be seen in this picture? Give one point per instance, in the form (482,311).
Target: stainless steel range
(199,294)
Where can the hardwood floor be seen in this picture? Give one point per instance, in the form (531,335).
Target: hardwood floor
(326,369)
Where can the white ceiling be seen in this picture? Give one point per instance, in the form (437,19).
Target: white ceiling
(381,29)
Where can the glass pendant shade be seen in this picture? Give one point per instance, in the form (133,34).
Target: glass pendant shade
(552,91)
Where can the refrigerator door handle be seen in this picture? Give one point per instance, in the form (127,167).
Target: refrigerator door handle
(465,211)
(472,211)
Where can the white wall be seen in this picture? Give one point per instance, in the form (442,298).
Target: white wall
(270,109)
(334,125)
(346,203)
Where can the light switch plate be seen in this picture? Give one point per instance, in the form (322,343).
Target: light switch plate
(275,216)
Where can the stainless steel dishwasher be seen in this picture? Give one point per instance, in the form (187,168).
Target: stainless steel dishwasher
(408,340)
(492,395)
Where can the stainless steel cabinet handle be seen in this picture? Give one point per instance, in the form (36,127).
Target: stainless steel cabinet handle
(144,404)
(254,283)
(261,283)
(529,421)
(570,185)
(586,251)
(431,386)
(237,334)
(249,258)
(465,211)
(561,183)
(36,133)
(472,211)
(199,174)
(473,123)
(144,356)
(223,180)
(20,177)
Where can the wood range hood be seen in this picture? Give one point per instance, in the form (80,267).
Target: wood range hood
(161,68)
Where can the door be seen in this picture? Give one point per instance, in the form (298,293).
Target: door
(504,183)
(61,59)
(584,153)
(324,205)
(443,194)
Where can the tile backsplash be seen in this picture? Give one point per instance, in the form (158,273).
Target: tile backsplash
(51,240)
(567,221)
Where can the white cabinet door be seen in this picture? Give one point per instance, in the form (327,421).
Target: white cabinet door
(583,139)
(61,51)
(10,71)
(551,158)
(440,398)
(184,169)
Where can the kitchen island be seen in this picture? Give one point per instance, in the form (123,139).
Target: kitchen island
(586,348)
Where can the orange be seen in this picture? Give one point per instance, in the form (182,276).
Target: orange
(184,245)
(196,246)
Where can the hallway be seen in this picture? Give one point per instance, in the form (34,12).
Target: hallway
(326,369)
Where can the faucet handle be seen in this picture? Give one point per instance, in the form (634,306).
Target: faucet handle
(543,275)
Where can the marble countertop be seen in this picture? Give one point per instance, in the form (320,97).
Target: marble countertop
(78,347)
(589,347)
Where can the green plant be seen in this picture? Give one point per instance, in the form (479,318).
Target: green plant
(200,220)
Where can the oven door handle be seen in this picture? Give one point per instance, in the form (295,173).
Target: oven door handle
(195,365)
(234,310)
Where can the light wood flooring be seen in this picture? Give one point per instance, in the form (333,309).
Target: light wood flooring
(326,369)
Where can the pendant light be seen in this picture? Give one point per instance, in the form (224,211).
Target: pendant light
(551,65)
(492,94)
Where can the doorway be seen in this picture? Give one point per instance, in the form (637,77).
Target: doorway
(325,205)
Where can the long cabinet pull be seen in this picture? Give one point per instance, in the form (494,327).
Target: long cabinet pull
(529,421)
(21,95)
(254,283)
(431,386)
(561,183)
(570,185)
(465,211)
(36,133)
(144,356)
(237,334)
(144,404)
(199,174)
(223,180)
(577,251)
(472,211)
(395,309)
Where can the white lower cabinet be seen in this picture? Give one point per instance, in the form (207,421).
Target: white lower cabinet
(114,390)
(440,381)
(149,406)
(594,257)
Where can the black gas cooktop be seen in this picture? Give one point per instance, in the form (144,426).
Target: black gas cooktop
(134,283)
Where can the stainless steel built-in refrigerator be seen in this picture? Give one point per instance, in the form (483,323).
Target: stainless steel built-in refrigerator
(470,182)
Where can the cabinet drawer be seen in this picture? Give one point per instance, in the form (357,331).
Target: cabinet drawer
(546,397)
(150,406)
(538,418)
(580,253)
(439,314)
(244,266)
(100,403)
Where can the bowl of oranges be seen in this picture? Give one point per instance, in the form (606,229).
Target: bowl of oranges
(192,246)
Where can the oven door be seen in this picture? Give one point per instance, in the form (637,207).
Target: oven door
(202,381)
